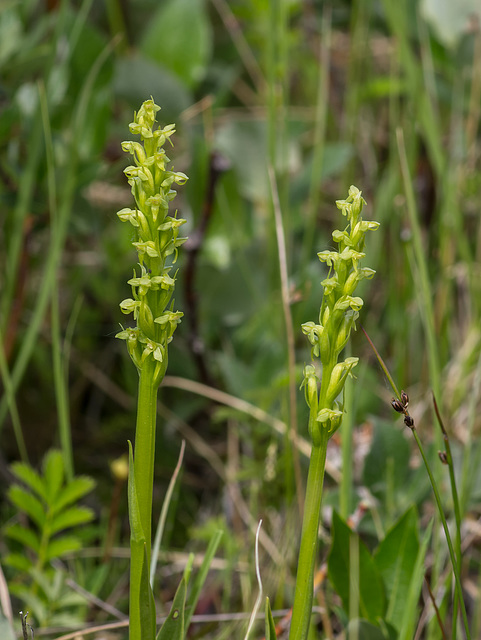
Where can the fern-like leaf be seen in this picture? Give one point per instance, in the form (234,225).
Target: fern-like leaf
(73,491)
(70,518)
(28,503)
(31,478)
(26,536)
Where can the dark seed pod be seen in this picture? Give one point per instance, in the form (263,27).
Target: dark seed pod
(397,405)
(404,399)
(408,421)
(443,457)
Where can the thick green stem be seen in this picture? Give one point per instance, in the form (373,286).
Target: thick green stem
(144,454)
(301,611)
(144,451)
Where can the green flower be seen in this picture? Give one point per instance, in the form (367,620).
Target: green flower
(157,240)
(338,314)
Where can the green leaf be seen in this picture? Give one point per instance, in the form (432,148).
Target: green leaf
(73,491)
(70,518)
(363,630)
(417,577)
(173,627)
(29,504)
(395,558)
(26,536)
(6,629)
(270,625)
(31,478)
(389,454)
(17,561)
(60,546)
(137,77)
(347,552)
(178,38)
(53,471)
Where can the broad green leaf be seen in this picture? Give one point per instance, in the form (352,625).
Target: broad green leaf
(137,77)
(6,629)
(60,546)
(395,558)
(368,584)
(73,491)
(270,625)
(178,38)
(26,536)
(31,478)
(389,451)
(146,601)
(450,19)
(53,471)
(70,518)
(417,577)
(173,627)
(363,630)
(29,504)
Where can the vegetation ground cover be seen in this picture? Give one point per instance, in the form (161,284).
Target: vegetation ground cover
(279,107)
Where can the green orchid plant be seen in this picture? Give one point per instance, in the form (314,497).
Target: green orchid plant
(156,241)
(338,314)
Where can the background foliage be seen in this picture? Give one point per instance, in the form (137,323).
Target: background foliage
(380,94)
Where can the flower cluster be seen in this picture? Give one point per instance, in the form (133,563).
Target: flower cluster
(338,314)
(156,241)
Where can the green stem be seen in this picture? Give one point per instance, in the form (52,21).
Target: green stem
(301,611)
(144,450)
(144,453)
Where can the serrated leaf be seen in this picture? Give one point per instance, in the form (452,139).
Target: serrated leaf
(173,627)
(73,491)
(60,546)
(270,625)
(28,503)
(369,584)
(53,471)
(395,558)
(26,536)
(17,561)
(31,478)
(71,518)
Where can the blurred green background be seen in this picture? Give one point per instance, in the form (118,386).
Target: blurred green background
(384,95)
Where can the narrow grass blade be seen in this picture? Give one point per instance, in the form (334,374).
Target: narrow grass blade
(201,576)
(270,625)
(163,514)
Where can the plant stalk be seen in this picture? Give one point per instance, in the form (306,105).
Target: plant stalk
(304,592)
(144,454)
